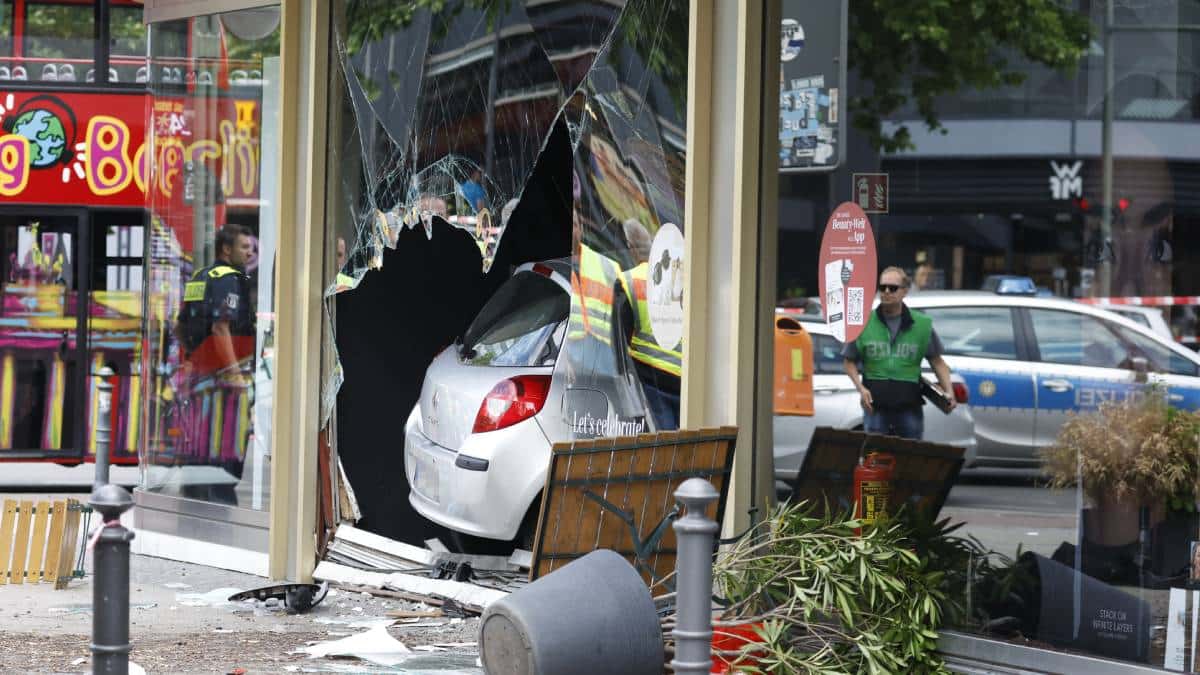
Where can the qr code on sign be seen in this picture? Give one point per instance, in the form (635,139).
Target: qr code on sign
(854,306)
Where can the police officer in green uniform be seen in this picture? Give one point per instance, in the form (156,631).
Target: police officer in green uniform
(891,348)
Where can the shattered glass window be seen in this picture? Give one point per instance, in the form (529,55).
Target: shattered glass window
(450,117)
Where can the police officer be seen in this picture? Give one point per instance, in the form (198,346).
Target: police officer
(658,367)
(216,309)
(217,332)
(891,348)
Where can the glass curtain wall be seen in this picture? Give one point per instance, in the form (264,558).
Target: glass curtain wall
(211,258)
(1052,254)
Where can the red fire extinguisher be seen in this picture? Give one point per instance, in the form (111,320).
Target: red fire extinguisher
(873,487)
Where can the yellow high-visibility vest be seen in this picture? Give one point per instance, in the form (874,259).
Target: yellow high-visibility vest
(645,347)
(592,296)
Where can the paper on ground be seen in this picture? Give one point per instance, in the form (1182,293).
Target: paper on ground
(374,645)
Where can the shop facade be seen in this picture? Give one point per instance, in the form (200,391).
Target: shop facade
(405,163)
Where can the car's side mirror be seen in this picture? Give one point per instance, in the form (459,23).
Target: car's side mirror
(1140,368)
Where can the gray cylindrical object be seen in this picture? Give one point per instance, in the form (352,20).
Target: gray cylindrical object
(110,594)
(103,430)
(693,583)
(594,616)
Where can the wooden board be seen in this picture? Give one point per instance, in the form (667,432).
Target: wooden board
(37,542)
(58,524)
(69,546)
(924,472)
(21,542)
(635,475)
(8,522)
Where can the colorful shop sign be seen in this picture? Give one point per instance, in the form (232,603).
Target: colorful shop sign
(93,149)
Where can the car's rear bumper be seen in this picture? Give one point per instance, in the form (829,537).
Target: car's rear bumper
(490,503)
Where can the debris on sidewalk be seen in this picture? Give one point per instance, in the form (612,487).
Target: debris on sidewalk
(470,596)
(374,645)
(358,548)
(297,598)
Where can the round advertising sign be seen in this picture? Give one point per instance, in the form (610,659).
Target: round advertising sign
(847,271)
(664,286)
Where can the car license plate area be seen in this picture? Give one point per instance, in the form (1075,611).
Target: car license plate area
(425,476)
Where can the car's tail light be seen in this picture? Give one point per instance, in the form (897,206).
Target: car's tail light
(960,392)
(512,400)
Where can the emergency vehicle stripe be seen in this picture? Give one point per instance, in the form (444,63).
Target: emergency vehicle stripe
(8,375)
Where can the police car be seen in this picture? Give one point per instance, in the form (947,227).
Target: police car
(1029,362)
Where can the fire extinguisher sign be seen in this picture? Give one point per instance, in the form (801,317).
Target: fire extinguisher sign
(847,271)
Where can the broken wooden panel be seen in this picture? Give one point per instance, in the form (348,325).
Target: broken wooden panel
(618,493)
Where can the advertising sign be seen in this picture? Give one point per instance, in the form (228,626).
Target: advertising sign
(812,101)
(94,150)
(73,149)
(847,271)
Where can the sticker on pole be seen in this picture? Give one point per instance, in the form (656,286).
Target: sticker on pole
(664,287)
(847,271)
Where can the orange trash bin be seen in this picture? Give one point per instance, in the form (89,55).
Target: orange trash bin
(793,368)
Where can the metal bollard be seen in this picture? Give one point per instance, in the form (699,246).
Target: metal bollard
(693,585)
(103,427)
(110,593)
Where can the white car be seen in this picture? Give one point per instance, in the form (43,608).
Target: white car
(477,444)
(1147,317)
(837,404)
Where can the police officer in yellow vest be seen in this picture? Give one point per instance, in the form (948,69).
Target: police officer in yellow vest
(658,366)
(217,331)
(217,317)
(891,348)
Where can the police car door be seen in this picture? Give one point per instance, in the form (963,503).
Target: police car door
(981,345)
(1083,364)
(1175,367)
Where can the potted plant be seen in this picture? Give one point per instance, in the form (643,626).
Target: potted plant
(1134,459)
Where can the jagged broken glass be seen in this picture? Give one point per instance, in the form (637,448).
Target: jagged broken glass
(453,104)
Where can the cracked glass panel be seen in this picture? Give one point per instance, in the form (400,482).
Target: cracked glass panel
(546,137)
(451,110)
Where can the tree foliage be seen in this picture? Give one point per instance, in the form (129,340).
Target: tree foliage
(918,51)
(903,52)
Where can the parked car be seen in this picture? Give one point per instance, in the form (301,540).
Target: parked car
(837,404)
(1029,362)
(1148,317)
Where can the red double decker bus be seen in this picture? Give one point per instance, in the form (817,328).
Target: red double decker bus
(81,179)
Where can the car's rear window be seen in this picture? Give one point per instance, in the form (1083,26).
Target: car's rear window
(827,355)
(522,325)
(975,331)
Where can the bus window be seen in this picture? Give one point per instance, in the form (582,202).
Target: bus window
(127,45)
(59,41)
(6,30)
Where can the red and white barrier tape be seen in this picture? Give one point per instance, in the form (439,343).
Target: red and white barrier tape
(1146,301)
